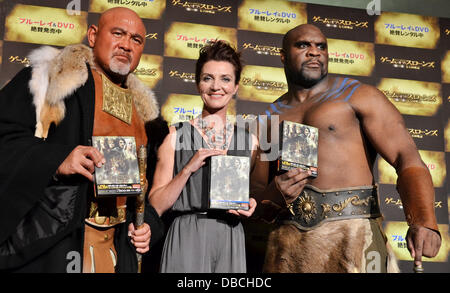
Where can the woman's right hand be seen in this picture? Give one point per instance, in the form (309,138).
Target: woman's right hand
(198,160)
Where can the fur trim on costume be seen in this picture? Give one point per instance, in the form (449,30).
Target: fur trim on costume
(57,74)
(144,98)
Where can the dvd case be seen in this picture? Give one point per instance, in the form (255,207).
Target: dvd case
(229,183)
(298,147)
(119,176)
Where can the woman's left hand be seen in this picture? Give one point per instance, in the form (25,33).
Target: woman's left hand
(243,213)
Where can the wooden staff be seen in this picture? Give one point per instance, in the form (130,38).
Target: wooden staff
(140,200)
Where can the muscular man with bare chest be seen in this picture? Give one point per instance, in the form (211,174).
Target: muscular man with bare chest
(334,219)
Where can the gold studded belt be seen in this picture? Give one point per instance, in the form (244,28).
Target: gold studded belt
(313,206)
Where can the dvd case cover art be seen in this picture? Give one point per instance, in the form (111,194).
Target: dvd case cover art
(119,176)
(298,147)
(229,183)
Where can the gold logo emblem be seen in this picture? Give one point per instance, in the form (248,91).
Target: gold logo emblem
(305,208)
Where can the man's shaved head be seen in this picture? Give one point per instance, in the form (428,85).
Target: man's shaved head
(117,42)
(305,55)
(300,29)
(116,12)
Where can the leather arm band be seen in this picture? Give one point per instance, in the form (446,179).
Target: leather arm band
(416,190)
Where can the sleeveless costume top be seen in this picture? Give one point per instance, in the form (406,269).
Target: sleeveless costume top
(107,212)
(99,252)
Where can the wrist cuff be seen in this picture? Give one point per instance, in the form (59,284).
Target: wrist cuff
(416,190)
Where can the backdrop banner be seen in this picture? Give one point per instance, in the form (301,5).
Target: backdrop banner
(405,56)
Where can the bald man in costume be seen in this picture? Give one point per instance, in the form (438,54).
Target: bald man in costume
(51,220)
(332,223)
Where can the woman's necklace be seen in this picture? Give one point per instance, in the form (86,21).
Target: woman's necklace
(215,139)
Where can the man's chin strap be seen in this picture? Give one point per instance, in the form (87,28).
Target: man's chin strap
(417,194)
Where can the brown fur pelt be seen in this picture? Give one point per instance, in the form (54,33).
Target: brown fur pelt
(334,247)
(58,73)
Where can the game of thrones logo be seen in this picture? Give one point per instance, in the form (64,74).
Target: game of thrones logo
(19,60)
(145,71)
(202,7)
(262,83)
(151,36)
(262,49)
(406,63)
(150,69)
(184,76)
(341,23)
(412,97)
(409,97)
(265,84)
(420,133)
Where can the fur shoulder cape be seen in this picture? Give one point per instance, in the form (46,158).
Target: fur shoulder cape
(58,73)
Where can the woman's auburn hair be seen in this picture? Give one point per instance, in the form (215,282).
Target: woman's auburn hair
(219,50)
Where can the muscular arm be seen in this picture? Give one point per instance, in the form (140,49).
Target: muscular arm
(384,126)
(381,120)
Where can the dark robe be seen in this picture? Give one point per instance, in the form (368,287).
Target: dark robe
(42,217)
